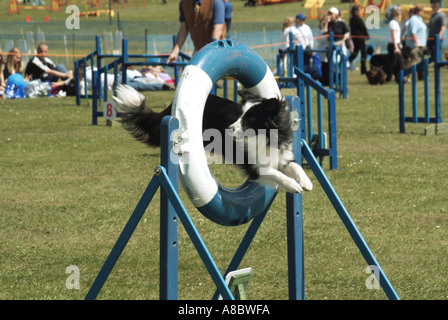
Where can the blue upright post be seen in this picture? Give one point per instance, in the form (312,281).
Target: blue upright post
(320,124)
(106,71)
(194,235)
(92,64)
(168,217)
(78,93)
(331,61)
(437,93)
(332,130)
(98,63)
(426,89)
(124,55)
(309,112)
(235,90)
(301,92)
(401,102)
(95,93)
(294,218)
(414,94)
(291,58)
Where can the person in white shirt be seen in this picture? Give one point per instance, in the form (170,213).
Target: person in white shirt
(394,56)
(304,35)
(416,29)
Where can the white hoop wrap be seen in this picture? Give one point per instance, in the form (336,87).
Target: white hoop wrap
(213,62)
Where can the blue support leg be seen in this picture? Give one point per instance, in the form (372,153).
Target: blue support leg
(347,220)
(168,289)
(294,220)
(123,239)
(193,234)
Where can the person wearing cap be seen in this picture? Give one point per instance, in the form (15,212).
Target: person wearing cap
(340,30)
(304,35)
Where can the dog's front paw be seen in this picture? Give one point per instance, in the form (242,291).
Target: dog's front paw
(305,182)
(292,186)
(296,172)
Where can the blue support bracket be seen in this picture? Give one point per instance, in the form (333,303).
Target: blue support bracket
(347,220)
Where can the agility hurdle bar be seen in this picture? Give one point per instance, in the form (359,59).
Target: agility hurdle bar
(172,210)
(337,65)
(305,86)
(415,118)
(337,61)
(100,88)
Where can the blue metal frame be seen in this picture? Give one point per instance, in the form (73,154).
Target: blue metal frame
(124,59)
(337,71)
(347,220)
(99,92)
(305,84)
(168,277)
(438,63)
(294,219)
(172,208)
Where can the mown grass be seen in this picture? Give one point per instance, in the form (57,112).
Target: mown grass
(68,188)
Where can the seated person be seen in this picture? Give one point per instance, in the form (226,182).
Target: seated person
(41,67)
(144,82)
(2,79)
(157,72)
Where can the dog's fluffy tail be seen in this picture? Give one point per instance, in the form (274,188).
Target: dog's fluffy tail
(142,122)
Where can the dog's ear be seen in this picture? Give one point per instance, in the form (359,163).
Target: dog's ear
(273,105)
(247,96)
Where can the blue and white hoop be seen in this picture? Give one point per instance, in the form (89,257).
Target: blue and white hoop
(218,59)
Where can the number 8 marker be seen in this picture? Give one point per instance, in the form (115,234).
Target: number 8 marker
(110,110)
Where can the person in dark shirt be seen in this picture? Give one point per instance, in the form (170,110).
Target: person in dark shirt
(359,37)
(340,30)
(436,26)
(41,67)
(204,20)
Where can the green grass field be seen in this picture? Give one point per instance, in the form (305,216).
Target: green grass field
(68,188)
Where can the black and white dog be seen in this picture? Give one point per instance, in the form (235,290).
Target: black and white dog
(266,118)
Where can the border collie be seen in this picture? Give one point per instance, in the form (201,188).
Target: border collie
(267,121)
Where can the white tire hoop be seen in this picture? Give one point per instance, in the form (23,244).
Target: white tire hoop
(216,60)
